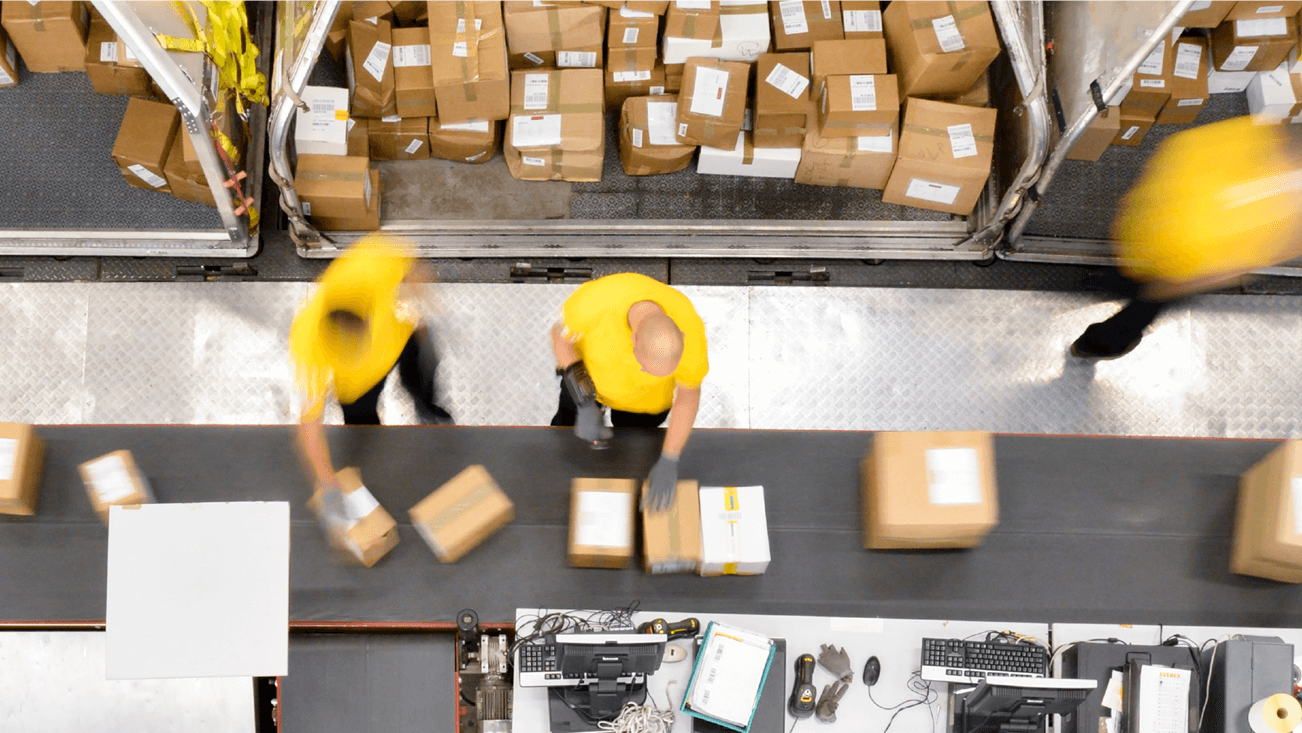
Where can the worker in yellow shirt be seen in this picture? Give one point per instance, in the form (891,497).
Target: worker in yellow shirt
(1215,203)
(346,339)
(637,346)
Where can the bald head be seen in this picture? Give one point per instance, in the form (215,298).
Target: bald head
(658,345)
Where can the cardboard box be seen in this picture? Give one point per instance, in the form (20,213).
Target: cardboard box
(1267,541)
(1097,137)
(337,38)
(743,35)
(22,456)
(859,56)
(798,23)
(695,20)
(627,28)
(543,31)
(1188,83)
(623,85)
(395,138)
(1228,82)
(853,162)
(368,222)
(712,103)
(671,540)
(374,11)
(1151,83)
(862,104)
(462,513)
(1133,128)
(372,531)
(944,157)
(323,128)
(744,159)
(8,61)
(334,186)
(674,78)
(734,531)
(1267,9)
(602,513)
(940,48)
(632,59)
(1275,96)
(413,73)
(780,108)
(106,74)
(114,480)
(1253,45)
(467,88)
(50,36)
(183,183)
(655,7)
(977,96)
(648,144)
(408,13)
(862,19)
(464,142)
(557,129)
(369,65)
(929,490)
(1206,13)
(359,137)
(143,142)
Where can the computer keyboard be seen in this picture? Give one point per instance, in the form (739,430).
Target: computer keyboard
(955,660)
(537,665)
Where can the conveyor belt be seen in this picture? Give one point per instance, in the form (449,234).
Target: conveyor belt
(1093,529)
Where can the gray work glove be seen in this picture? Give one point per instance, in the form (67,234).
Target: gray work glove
(663,484)
(827,702)
(836,661)
(590,426)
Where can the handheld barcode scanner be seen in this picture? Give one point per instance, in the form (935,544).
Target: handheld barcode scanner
(801,704)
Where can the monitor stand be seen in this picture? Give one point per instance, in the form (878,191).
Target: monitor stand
(575,709)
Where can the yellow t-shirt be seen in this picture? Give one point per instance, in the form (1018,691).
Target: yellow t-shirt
(364,280)
(596,319)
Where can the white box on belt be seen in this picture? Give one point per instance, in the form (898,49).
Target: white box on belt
(746,160)
(323,129)
(1275,96)
(734,531)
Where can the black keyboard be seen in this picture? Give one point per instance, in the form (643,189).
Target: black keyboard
(537,658)
(955,660)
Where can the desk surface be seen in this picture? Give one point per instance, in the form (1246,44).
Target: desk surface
(1088,526)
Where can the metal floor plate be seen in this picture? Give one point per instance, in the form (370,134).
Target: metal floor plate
(781,358)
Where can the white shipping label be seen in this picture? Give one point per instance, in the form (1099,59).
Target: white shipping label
(108,52)
(657,91)
(1239,58)
(627,76)
(413,146)
(307,207)
(576,59)
(111,479)
(461,24)
(415,55)
(630,36)
(535,91)
(947,34)
(1188,102)
(827,9)
(147,175)
(682,129)
(1297,505)
(391,118)
(1187,58)
(359,504)
(1200,5)
(862,21)
(787,80)
(637,138)
(377,59)
(459,49)
(875,144)
(660,120)
(323,115)
(961,141)
(624,12)
(532,161)
(953,476)
(709,91)
(692,4)
(351,124)
(366,188)
(1152,65)
(937,193)
(1152,83)
(536,60)
(538,131)
(793,17)
(476,156)
(8,456)
(863,94)
(1130,132)
(1269,9)
(480,126)
(604,519)
(1261,27)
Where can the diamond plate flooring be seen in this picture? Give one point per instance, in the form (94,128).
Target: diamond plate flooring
(781,358)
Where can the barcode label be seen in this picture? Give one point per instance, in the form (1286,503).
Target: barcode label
(1239,58)
(415,55)
(1130,133)
(863,94)
(576,59)
(947,34)
(862,21)
(1152,83)
(793,17)
(307,207)
(1152,65)
(461,24)
(875,144)
(627,76)
(961,141)
(788,81)
(459,49)
(1188,102)
(377,59)
(630,36)
(532,161)
(413,146)
(535,91)
(108,52)
(657,91)
(1269,9)
(637,138)
(391,118)
(1264,27)
(929,191)
(1188,57)
(827,10)
(682,129)
(147,175)
(537,61)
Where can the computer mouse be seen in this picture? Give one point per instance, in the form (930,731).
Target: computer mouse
(674,653)
(872,671)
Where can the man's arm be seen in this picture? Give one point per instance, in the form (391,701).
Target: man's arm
(316,450)
(681,418)
(563,347)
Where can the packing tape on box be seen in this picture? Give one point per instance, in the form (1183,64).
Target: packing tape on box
(38,23)
(732,503)
(759,9)
(554,28)
(675,539)
(748,150)
(774,131)
(558,160)
(971,11)
(346,176)
(1278,713)
(452,513)
(943,133)
(468,34)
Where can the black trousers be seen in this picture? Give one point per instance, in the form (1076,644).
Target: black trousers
(1117,333)
(416,367)
(567,413)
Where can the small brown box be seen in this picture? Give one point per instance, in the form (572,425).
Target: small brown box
(337,38)
(1096,138)
(465,142)
(622,85)
(862,19)
(466,90)
(671,540)
(394,138)
(1207,17)
(359,137)
(854,162)
(940,48)
(858,56)
(1133,128)
(860,104)
(1253,45)
(1259,9)
(1151,84)
(334,186)
(8,61)
(1188,83)
(1267,541)
(50,35)
(797,24)
(631,30)
(462,513)
(184,183)
(413,73)
(535,30)
(22,456)
(698,23)
(369,64)
(144,141)
(638,154)
(944,157)
(711,111)
(602,517)
(373,532)
(368,222)
(778,116)
(107,75)
(540,147)
(631,59)
(114,480)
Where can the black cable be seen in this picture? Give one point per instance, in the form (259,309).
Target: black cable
(793,725)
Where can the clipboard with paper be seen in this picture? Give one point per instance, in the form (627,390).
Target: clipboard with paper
(728,676)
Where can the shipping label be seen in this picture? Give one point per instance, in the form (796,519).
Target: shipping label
(657,91)
(637,138)
(953,476)
(111,479)
(793,17)
(1239,58)
(628,76)
(1188,56)
(576,59)
(863,93)
(604,519)
(630,36)
(527,160)
(412,147)
(535,91)
(108,52)
(874,144)
(692,4)
(359,504)
(709,91)
(8,456)
(414,55)
(461,24)
(1261,27)
(1269,9)
(307,207)
(480,126)
(377,59)
(862,21)
(938,193)
(1152,83)
(961,141)
(1152,65)
(947,34)
(682,129)
(536,131)
(624,12)
(827,9)
(660,120)
(1130,132)
(391,118)
(147,175)
(1188,102)
(535,60)
(788,81)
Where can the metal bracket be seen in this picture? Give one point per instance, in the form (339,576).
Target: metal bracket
(522,272)
(814,275)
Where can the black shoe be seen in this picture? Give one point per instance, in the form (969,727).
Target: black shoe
(433,415)
(1082,349)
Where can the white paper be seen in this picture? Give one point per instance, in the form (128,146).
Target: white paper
(476,156)
(862,21)
(728,676)
(377,59)
(1188,102)
(535,91)
(323,114)
(1165,693)
(692,4)
(108,52)
(8,455)
(307,207)
(359,504)
(576,59)
(947,34)
(863,93)
(459,50)
(1152,83)
(875,144)
(1269,9)
(630,36)
(532,59)
(461,24)
(1296,484)
(660,120)
(480,126)
(147,175)
(788,81)
(412,147)
(682,129)
(527,160)
(709,91)
(1261,27)
(827,9)
(604,519)
(625,12)
(1239,58)
(391,119)
(414,55)
(111,479)
(1152,65)
(536,131)
(657,91)
(793,17)
(953,476)
(1112,695)
(637,138)
(627,76)
(962,143)
(1130,132)
(928,191)
(1187,58)
(1200,5)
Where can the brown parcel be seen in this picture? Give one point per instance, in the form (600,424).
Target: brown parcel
(575,95)
(797,25)
(369,63)
(466,142)
(671,540)
(777,117)
(1133,128)
(862,104)
(1096,138)
(928,174)
(858,56)
(1266,541)
(1209,17)
(536,30)
(900,484)
(144,140)
(106,75)
(21,456)
(613,556)
(622,85)
(50,36)
(862,18)
(334,186)
(940,48)
(1259,9)
(586,57)
(700,126)
(373,535)
(977,96)
(637,32)
(1187,95)
(337,37)
(1149,91)
(1272,50)
(368,222)
(184,183)
(632,59)
(359,137)
(854,162)
(413,77)
(399,139)
(468,86)
(411,12)
(8,61)
(636,153)
(701,24)
(462,513)
(116,481)
(374,11)
(608,4)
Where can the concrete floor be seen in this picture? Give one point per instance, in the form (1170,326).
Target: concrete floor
(442,189)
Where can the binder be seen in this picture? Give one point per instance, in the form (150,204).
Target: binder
(705,662)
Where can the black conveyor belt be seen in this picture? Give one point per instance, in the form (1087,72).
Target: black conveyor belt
(1121,530)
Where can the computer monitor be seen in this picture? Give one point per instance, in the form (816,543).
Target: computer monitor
(1018,704)
(602,671)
